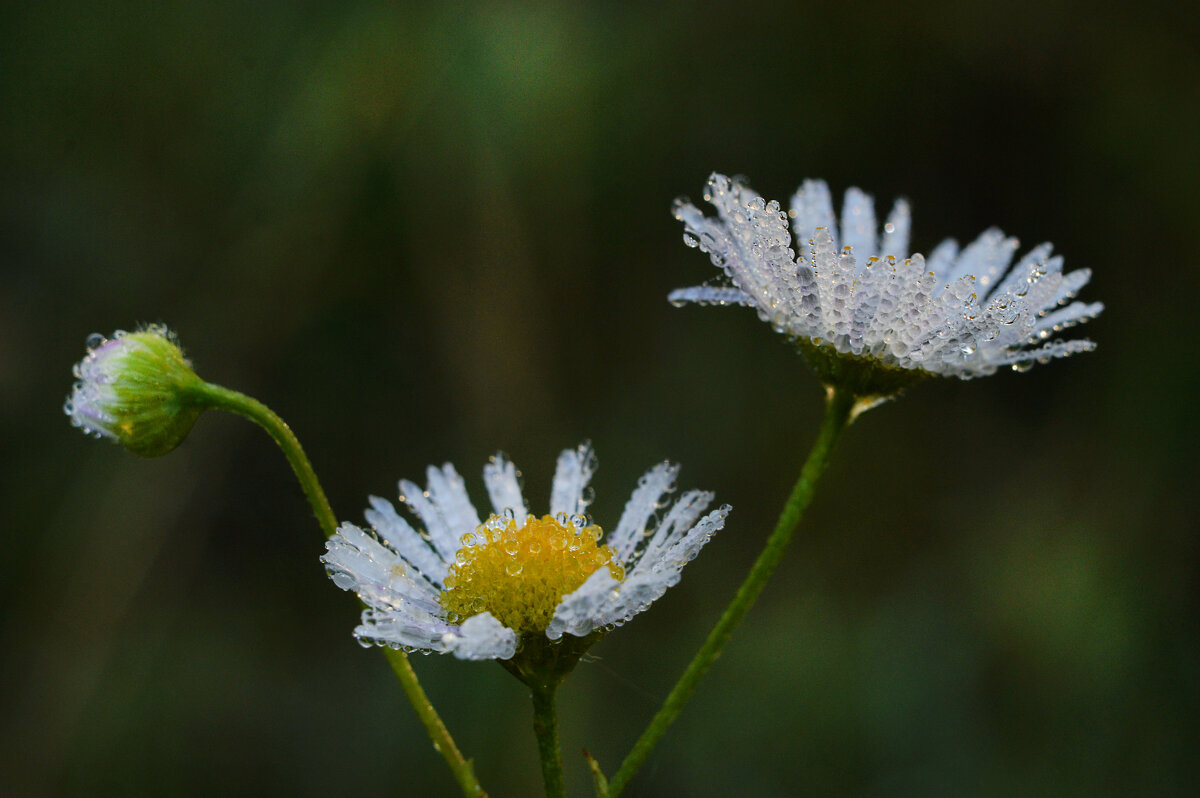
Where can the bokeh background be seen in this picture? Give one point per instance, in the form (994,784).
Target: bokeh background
(428,232)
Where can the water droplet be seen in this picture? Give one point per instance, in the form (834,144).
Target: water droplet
(94,341)
(691,240)
(511,547)
(1022,366)
(513,568)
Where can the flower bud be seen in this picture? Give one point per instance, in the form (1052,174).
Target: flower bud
(136,389)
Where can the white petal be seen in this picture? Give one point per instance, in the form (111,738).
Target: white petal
(481,637)
(709,295)
(449,493)
(858,224)
(812,207)
(986,259)
(402,629)
(405,540)
(601,601)
(640,508)
(441,536)
(941,260)
(357,562)
(504,488)
(571,477)
(894,240)
(678,521)
(579,610)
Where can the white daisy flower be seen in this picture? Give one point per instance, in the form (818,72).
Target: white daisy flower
(483,590)
(136,389)
(866,312)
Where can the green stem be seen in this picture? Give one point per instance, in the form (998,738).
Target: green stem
(545,726)
(839,411)
(443,743)
(282,434)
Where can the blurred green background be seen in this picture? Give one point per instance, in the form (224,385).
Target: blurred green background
(428,232)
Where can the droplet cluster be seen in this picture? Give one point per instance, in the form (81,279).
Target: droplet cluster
(859,292)
(93,400)
(520,573)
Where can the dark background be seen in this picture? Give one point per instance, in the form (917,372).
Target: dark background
(424,233)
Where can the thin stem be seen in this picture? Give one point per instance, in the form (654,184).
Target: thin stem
(545,726)
(839,411)
(282,434)
(443,743)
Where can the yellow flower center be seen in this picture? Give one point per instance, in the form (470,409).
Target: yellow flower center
(520,573)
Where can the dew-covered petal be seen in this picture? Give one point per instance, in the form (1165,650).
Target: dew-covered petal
(942,259)
(568,493)
(449,494)
(894,238)
(986,259)
(1059,320)
(578,612)
(504,487)
(603,602)
(812,207)
(402,629)
(710,295)
(405,540)
(481,637)
(1038,256)
(761,244)
(714,237)
(645,501)
(685,548)
(678,520)
(1072,282)
(356,561)
(441,536)
(858,224)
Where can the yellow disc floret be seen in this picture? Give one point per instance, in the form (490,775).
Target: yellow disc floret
(520,573)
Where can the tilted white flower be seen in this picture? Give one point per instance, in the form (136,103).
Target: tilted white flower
(480,589)
(856,294)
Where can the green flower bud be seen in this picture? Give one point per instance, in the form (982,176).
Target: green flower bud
(138,390)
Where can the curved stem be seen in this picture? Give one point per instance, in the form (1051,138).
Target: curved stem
(281,433)
(840,409)
(545,726)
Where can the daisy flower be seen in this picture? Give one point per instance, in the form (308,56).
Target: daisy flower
(868,315)
(136,389)
(510,584)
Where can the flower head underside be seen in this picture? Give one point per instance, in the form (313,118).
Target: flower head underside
(865,312)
